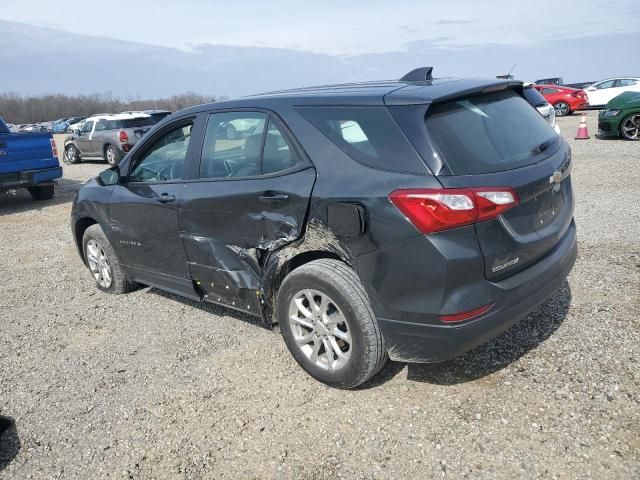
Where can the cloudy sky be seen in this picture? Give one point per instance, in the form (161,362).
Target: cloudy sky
(334,37)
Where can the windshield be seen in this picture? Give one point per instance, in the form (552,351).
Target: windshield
(489,133)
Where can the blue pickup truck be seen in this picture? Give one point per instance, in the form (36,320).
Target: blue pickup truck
(28,160)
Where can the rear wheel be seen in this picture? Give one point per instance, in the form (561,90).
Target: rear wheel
(630,127)
(44,192)
(231,132)
(111,155)
(328,325)
(562,109)
(103,262)
(71,154)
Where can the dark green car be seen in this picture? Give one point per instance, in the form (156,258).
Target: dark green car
(621,117)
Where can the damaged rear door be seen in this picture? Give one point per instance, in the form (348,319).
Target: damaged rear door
(251,197)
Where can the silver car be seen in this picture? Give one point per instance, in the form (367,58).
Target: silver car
(107,136)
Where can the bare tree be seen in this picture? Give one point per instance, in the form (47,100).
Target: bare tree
(19,109)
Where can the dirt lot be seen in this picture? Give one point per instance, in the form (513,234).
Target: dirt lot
(150,386)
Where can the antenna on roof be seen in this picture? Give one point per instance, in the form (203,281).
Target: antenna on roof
(422,74)
(509,75)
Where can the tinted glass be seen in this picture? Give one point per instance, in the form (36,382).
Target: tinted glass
(602,85)
(137,122)
(278,154)
(534,97)
(489,133)
(88,126)
(367,134)
(625,82)
(101,125)
(164,161)
(232,145)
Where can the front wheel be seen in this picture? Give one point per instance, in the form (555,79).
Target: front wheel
(630,127)
(562,109)
(44,192)
(328,325)
(103,262)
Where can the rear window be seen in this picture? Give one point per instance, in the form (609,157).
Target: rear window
(534,97)
(367,134)
(489,133)
(137,122)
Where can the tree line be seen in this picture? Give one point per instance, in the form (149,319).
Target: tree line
(19,109)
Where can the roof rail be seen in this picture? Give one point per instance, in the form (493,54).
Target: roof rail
(421,74)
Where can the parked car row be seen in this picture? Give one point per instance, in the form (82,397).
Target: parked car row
(568,98)
(71,124)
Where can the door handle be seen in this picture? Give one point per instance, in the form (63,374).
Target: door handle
(273,197)
(166,198)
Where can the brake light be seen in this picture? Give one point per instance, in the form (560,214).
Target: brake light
(54,148)
(124,138)
(434,210)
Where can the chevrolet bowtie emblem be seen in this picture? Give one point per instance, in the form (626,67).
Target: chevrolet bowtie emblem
(556,177)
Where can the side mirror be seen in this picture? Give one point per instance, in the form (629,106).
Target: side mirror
(109,177)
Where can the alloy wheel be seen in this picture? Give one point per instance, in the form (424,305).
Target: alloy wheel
(561,108)
(631,127)
(111,156)
(320,330)
(99,264)
(70,155)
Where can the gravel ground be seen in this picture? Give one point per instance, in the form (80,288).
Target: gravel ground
(150,386)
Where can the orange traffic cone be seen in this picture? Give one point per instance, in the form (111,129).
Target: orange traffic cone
(583,133)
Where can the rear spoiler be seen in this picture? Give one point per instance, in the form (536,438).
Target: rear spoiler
(424,94)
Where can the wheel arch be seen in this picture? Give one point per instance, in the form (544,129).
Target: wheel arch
(318,242)
(80,226)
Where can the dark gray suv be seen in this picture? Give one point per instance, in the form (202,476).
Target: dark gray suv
(410,219)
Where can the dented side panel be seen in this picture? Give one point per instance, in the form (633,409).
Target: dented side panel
(230,226)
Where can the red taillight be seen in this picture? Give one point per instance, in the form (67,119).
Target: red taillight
(434,210)
(54,148)
(124,138)
(462,316)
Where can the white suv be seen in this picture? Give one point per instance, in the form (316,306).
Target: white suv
(601,92)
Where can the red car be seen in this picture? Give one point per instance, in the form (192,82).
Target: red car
(565,100)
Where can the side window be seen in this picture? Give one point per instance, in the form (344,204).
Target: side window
(87,127)
(101,125)
(232,144)
(602,85)
(625,82)
(279,154)
(165,160)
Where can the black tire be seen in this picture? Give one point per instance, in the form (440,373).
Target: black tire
(71,155)
(44,192)
(230,132)
(112,155)
(119,281)
(562,109)
(336,280)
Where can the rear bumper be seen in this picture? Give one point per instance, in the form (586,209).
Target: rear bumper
(30,178)
(518,295)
